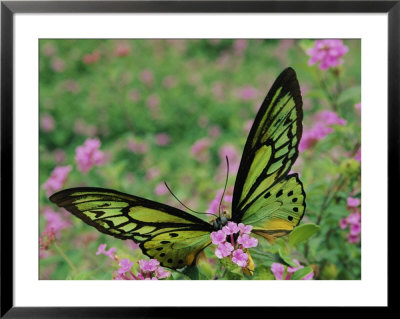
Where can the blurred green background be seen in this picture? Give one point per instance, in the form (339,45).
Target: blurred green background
(150,101)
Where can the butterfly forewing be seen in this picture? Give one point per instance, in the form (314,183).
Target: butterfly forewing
(164,232)
(270,151)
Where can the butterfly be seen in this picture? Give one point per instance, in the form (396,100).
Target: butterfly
(265,195)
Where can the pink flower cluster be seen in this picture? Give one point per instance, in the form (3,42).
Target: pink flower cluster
(353,221)
(55,222)
(149,270)
(321,128)
(214,205)
(138,147)
(236,250)
(45,240)
(91,58)
(89,155)
(247,93)
(109,253)
(200,150)
(279,270)
(328,53)
(57,179)
(47,123)
(163,139)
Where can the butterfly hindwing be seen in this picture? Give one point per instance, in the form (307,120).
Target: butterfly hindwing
(270,151)
(157,227)
(176,248)
(279,210)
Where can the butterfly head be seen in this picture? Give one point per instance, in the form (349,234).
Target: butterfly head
(220,221)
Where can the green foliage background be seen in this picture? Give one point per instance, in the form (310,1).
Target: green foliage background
(198,85)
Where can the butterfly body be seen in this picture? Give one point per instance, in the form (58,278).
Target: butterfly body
(265,195)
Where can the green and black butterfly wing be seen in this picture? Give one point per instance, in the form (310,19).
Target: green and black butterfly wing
(265,196)
(165,233)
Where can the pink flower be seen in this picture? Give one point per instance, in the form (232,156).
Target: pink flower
(110,253)
(122,49)
(328,53)
(278,270)
(240,258)
(138,146)
(161,273)
(214,131)
(59,156)
(228,150)
(320,129)
(101,249)
(57,64)
(49,49)
(343,223)
(231,228)
(169,81)
(292,270)
(131,244)
(147,77)
(247,93)
(126,266)
(330,118)
(153,102)
(245,229)
(163,139)
(161,189)
(213,208)
(357,157)
(47,123)
(353,202)
(239,46)
(57,179)
(355,229)
(223,250)
(134,95)
(152,173)
(358,106)
(218,237)
(353,239)
(200,150)
(246,241)
(91,57)
(354,218)
(148,265)
(55,221)
(89,155)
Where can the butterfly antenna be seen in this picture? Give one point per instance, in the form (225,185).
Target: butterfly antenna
(166,185)
(226,183)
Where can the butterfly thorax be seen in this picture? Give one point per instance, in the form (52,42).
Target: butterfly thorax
(220,221)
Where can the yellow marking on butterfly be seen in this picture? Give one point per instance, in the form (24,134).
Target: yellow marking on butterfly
(249,269)
(189,258)
(144,214)
(276,224)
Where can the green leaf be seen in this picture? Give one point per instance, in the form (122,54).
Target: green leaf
(285,257)
(192,272)
(302,233)
(301,273)
(353,93)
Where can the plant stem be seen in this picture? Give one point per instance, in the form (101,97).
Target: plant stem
(61,252)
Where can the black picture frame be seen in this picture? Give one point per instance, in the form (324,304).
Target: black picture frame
(9,8)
